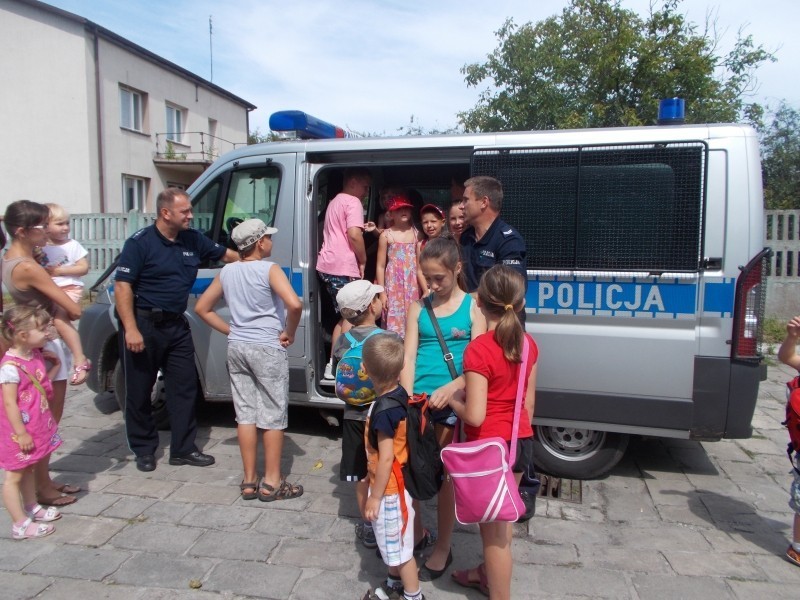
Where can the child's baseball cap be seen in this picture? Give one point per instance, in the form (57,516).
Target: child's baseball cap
(248,232)
(398,202)
(432,208)
(356,296)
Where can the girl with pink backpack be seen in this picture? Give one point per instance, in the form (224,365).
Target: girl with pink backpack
(492,363)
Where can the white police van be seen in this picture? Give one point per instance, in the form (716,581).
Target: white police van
(644,259)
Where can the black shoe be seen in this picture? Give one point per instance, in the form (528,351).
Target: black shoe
(428,574)
(146,462)
(194,459)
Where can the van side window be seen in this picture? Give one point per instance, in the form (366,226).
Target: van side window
(203,208)
(253,193)
(625,208)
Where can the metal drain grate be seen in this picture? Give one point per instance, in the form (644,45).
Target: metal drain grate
(556,488)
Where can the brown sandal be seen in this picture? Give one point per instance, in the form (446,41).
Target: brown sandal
(253,485)
(285,491)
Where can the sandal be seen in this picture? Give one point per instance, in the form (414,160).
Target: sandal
(462,579)
(253,485)
(59,500)
(80,372)
(66,488)
(41,514)
(28,529)
(285,491)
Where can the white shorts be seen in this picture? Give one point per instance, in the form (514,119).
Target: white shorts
(259,384)
(59,348)
(396,547)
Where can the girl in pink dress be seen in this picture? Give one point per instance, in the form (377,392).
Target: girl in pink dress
(28,431)
(396,267)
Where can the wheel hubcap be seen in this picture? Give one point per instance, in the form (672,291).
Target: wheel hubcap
(571,443)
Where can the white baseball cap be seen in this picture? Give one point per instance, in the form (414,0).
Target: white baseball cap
(248,232)
(357,295)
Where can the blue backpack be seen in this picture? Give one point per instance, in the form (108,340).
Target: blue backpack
(352,384)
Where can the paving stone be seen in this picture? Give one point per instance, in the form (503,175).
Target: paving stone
(82,463)
(128,507)
(64,589)
(747,590)
(16,555)
(581,581)
(90,504)
(778,569)
(663,587)
(167,512)
(161,537)
(78,562)
(707,564)
(162,570)
(338,585)
(253,579)
(17,586)
(331,556)
(204,494)
(87,531)
(294,525)
(669,536)
(149,488)
(242,546)
(545,554)
(228,518)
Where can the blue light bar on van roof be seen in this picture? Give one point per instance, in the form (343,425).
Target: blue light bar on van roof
(671,111)
(305,126)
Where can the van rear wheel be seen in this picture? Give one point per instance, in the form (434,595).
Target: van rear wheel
(576,453)
(158,397)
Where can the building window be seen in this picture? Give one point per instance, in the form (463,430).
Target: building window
(174,123)
(131,109)
(134,193)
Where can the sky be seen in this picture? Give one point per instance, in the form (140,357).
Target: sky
(373,65)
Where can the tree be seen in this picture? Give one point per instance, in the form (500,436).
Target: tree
(599,65)
(780,149)
(256,137)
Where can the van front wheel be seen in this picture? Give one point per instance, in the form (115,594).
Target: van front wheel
(576,453)
(158,397)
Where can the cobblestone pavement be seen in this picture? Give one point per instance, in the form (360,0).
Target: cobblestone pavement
(676,519)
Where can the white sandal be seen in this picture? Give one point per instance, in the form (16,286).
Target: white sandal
(29,529)
(44,515)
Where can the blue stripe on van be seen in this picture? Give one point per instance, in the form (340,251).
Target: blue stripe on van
(621,297)
(295,277)
(718,297)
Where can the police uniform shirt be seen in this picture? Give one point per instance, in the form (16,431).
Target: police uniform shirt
(500,245)
(161,272)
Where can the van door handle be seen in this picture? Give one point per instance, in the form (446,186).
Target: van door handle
(712,264)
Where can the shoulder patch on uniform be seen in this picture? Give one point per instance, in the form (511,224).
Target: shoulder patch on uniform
(509,232)
(139,233)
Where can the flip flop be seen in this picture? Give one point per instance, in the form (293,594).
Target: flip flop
(462,579)
(80,373)
(66,488)
(60,500)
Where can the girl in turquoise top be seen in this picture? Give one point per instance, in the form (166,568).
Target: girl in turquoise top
(426,372)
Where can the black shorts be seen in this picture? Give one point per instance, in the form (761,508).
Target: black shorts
(524,454)
(354,452)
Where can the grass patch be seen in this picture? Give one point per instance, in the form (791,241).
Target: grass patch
(774,331)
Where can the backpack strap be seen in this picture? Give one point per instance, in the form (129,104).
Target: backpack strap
(382,405)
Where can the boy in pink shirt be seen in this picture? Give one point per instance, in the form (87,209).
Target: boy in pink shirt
(343,256)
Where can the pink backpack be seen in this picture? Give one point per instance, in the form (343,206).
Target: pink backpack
(484,485)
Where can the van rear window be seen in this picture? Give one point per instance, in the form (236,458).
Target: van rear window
(609,208)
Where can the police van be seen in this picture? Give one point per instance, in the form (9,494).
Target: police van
(644,261)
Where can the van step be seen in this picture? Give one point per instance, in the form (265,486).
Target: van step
(556,488)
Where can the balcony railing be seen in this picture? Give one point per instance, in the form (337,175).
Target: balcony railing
(195,146)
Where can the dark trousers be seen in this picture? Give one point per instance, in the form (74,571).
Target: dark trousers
(167,346)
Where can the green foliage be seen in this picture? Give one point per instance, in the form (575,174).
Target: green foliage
(774,331)
(599,65)
(780,150)
(415,128)
(256,137)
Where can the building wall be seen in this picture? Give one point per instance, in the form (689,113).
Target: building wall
(46,109)
(131,153)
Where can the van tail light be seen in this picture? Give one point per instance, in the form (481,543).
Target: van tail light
(748,308)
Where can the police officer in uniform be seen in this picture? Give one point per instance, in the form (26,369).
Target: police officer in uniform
(487,240)
(157,268)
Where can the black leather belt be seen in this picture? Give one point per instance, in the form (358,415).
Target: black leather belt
(157,315)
